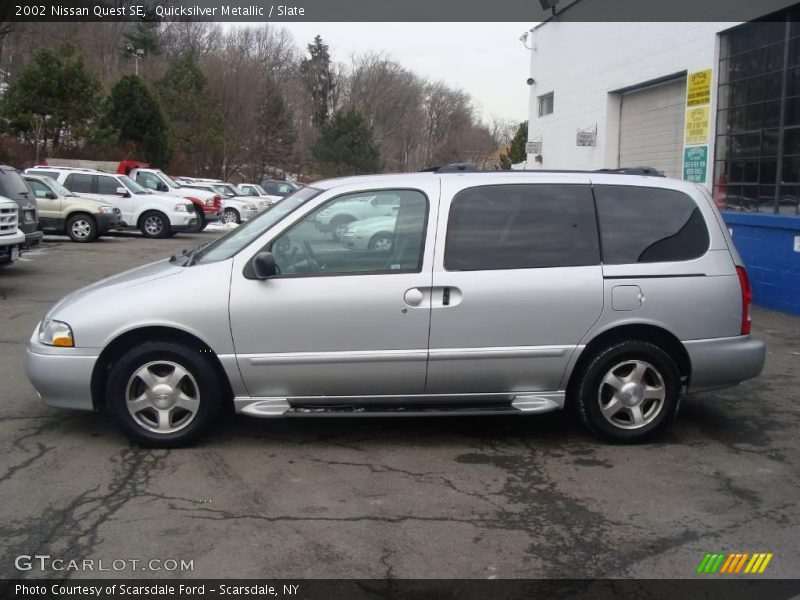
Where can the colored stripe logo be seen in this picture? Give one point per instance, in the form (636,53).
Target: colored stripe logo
(734,563)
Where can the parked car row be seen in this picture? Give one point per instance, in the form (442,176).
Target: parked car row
(86,199)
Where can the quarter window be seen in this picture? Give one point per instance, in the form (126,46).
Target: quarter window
(79,183)
(521,227)
(350,236)
(644,225)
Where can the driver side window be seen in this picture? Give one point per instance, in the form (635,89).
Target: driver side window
(344,237)
(147,180)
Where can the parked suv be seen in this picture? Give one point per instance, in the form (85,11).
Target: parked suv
(11,238)
(61,211)
(155,215)
(13,187)
(500,293)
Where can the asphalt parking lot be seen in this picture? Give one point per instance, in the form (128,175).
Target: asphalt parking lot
(437,497)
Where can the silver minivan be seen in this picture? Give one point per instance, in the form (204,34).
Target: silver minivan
(506,292)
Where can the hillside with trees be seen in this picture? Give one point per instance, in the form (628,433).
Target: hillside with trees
(226,102)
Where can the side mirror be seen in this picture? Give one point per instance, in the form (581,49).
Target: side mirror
(51,195)
(161,187)
(263,266)
(122,191)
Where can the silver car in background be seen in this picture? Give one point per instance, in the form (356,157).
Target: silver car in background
(498,293)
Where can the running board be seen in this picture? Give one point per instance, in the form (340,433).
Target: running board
(406,406)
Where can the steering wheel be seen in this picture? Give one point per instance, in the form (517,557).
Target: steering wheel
(311,258)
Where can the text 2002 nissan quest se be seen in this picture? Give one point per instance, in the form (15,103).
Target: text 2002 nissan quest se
(496,293)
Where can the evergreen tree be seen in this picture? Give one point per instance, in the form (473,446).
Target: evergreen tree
(136,116)
(346,146)
(53,96)
(275,134)
(319,80)
(516,150)
(195,122)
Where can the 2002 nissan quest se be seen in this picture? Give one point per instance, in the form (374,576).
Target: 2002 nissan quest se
(496,293)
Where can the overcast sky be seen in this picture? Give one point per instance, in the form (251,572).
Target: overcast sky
(485,59)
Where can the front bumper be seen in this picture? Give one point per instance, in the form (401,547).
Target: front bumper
(248,213)
(724,362)
(107,222)
(61,376)
(33,238)
(7,243)
(184,224)
(211,215)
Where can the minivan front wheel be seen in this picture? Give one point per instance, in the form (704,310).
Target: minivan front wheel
(162,394)
(629,392)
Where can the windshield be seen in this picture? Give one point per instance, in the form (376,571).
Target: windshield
(166,179)
(132,185)
(233,242)
(56,187)
(223,190)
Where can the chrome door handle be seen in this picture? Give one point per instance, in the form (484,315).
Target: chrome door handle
(414,297)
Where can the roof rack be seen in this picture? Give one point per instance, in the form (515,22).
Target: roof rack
(470,168)
(452,168)
(653,172)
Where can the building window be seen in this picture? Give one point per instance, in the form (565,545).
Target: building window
(546,104)
(757,165)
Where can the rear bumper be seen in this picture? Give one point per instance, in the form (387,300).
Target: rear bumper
(62,376)
(724,362)
(33,238)
(211,215)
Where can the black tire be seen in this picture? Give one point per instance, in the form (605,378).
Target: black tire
(82,228)
(336,223)
(154,224)
(592,395)
(231,215)
(380,239)
(199,226)
(202,382)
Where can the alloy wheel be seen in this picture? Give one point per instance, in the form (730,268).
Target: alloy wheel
(81,229)
(631,394)
(162,397)
(153,225)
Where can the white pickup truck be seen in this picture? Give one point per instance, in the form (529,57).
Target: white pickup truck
(11,238)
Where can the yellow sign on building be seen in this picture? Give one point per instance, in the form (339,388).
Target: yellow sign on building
(698,88)
(697,125)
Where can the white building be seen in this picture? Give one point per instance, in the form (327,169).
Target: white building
(707,101)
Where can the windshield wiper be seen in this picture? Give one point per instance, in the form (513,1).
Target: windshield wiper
(193,253)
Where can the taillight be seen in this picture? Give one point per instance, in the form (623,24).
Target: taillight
(218,201)
(747,298)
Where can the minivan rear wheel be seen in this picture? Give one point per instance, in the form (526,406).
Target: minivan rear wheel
(629,392)
(163,394)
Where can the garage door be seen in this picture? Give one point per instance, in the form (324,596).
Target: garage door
(651,127)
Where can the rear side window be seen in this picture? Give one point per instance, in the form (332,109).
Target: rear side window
(643,225)
(79,183)
(521,227)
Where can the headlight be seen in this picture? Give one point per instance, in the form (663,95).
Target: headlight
(182,207)
(55,333)
(106,210)
(252,206)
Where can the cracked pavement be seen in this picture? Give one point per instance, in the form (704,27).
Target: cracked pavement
(461,497)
